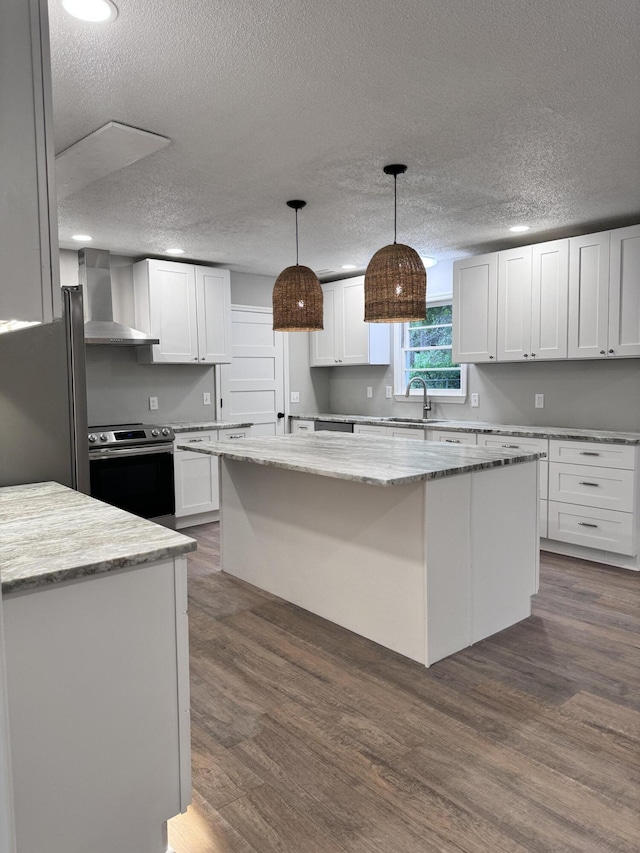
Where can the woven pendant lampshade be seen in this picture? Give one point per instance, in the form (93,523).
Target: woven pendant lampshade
(297,295)
(395,283)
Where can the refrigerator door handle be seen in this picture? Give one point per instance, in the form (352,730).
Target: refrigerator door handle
(76,369)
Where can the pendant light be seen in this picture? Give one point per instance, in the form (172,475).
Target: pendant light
(297,295)
(395,284)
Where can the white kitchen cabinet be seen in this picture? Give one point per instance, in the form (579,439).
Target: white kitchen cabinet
(514,305)
(390,431)
(302,426)
(589,296)
(346,339)
(526,445)
(624,292)
(369,429)
(475,304)
(549,299)
(187,307)
(196,477)
(229,434)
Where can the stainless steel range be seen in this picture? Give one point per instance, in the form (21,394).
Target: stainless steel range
(131,467)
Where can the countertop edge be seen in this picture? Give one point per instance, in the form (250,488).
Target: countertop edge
(198,426)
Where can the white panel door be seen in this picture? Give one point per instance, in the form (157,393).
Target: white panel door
(475,309)
(354,331)
(514,304)
(252,387)
(588,295)
(323,345)
(624,292)
(213,295)
(549,299)
(172,302)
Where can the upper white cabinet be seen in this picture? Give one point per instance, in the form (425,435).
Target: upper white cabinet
(187,307)
(576,298)
(475,302)
(346,338)
(588,295)
(624,290)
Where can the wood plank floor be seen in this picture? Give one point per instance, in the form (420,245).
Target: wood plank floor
(309,739)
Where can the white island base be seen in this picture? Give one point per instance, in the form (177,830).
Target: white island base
(424,568)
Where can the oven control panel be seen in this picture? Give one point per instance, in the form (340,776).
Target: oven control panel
(129,435)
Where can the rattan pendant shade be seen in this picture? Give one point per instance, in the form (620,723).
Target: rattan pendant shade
(395,283)
(297,295)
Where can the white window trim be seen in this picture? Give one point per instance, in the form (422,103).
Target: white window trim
(450,395)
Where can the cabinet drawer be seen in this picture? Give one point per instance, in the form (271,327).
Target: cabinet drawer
(452,437)
(592,527)
(227,434)
(406,432)
(587,485)
(194,438)
(302,426)
(593,453)
(544,527)
(543,467)
(368,429)
(514,442)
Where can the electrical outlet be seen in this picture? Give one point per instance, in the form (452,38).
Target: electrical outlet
(539,401)
(206,398)
(295,397)
(153,403)
(388,391)
(475,401)
(369,391)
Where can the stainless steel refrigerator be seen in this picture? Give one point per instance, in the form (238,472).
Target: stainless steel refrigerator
(43,401)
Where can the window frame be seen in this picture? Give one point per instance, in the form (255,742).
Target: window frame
(448,395)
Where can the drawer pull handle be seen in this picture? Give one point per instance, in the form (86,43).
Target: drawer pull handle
(452,441)
(511,446)
(237,435)
(585,483)
(586,524)
(589,453)
(195,440)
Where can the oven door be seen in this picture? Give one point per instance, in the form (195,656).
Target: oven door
(137,479)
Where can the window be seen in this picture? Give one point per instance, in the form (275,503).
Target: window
(423,348)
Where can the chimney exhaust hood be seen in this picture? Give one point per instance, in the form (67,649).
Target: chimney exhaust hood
(100,327)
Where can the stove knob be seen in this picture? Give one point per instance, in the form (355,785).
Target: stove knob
(166,431)
(92,437)
(155,433)
(103,437)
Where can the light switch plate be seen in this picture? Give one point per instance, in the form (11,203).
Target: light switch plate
(206,398)
(388,391)
(475,401)
(539,401)
(369,391)
(153,403)
(295,397)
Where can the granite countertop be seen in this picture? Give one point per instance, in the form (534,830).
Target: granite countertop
(194,426)
(49,534)
(569,433)
(362,458)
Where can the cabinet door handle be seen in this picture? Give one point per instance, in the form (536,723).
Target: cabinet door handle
(236,435)
(512,446)
(602,352)
(610,352)
(585,483)
(526,355)
(586,524)
(195,440)
(533,355)
(589,453)
(204,358)
(452,441)
(490,356)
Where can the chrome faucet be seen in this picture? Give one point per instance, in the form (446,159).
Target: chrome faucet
(426,403)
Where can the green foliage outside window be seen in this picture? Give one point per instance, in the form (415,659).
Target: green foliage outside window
(427,349)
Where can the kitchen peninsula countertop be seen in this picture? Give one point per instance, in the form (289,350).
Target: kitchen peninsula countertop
(486,428)
(364,459)
(50,534)
(195,426)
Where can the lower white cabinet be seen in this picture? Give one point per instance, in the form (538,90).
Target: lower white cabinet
(451,437)
(197,478)
(389,431)
(591,527)
(302,426)
(527,445)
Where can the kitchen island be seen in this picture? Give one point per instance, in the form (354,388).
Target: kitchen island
(423,548)
(94,605)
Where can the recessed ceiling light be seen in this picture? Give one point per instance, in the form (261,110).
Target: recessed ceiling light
(174,251)
(517,229)
(82,238)
(95,11)
(428,262)
(349,267)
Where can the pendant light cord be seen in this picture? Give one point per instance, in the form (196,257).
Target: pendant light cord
(395,209)
(296,237)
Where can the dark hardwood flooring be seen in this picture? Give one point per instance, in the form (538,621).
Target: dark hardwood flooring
(310,739)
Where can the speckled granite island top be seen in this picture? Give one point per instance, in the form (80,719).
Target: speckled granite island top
(486,428)
(195,426)
(49,534)
(362,458)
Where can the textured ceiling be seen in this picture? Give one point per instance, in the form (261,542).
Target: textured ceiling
(504,112)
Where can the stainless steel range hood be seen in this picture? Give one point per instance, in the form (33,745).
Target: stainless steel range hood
(100,327)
